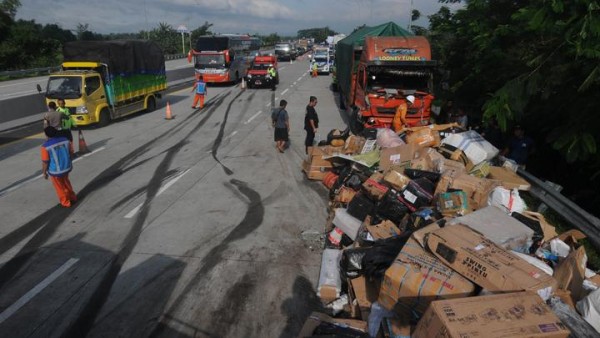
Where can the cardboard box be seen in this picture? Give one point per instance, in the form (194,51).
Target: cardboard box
(453,203)
(421,163)
(364,294)
(396,327)
(477,189)
(315,172)
(416,278)
(522,314)
(481,170)
(508,178)
(354,144)
(373,186)
(424,138)
(385,229)
(315,319)
(485,263)
(474,145)
(345,195)
(570,273)
(400,155)
(396,179)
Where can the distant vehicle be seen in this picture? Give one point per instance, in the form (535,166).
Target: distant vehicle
(321,57)
(257,74)
(104,80)
(286,51)
(223,58)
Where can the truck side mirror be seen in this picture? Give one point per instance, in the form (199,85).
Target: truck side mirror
(39,88)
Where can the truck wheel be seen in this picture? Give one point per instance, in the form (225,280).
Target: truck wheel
(104,118)
(356,126)
(151,104)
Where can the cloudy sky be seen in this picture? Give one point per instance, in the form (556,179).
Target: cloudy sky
(284,17)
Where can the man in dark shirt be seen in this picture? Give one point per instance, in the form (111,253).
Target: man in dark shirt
(519,147)
(281,123)
(311,122)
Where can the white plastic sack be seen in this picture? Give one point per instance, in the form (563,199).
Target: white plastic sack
(387,138)
(589,308)
(473,145)
(559,248)
(347,223)
(330,271)
(507,200)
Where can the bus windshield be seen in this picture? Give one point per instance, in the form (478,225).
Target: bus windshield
(398,78)
(210,61)
(64,87)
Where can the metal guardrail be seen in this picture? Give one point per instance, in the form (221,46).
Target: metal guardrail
(48,70)
(579,218)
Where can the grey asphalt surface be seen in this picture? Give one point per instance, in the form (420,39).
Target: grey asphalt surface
(188,227)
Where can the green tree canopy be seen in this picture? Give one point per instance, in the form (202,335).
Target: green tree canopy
(319,34)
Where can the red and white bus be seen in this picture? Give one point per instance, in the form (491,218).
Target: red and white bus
(223,58)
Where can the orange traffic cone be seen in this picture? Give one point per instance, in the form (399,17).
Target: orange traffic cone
(243,84)
(168,116)
(83,148)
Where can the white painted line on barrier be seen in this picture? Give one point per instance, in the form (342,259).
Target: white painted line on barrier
(160,191)
(283,92)
(37,289)
(253,117)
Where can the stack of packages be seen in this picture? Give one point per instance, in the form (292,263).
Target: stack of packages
(426,238)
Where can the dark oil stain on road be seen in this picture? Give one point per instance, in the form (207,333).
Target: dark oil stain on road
(251,221)
(234,301)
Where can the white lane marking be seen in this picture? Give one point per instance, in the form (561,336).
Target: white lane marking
(20,83)
(253,117)
(184,66)
(37,289)
(300,78)
(160,191)
(40,176)
(89,154)
(231,135)
(282,68)
(283,92)
(295,83)
(19,93)
(268,104)
(276,99)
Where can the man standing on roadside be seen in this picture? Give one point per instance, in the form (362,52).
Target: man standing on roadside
(200,88)
(281,122)
(311,123)
(53,118)
(67,122)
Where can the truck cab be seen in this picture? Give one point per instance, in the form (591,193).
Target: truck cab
(390,69)
(258,76)
(286,51)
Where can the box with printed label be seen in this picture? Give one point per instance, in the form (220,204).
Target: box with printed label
(416,278)
(521,314)
(485,263)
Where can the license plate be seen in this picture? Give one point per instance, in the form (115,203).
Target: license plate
(257,82)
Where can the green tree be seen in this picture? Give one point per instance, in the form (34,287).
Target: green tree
(167,38)
(319,34)
(9,7)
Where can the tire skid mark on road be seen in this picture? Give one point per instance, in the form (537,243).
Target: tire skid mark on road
(251,221)
(219,139)
(48,222)
(90,311)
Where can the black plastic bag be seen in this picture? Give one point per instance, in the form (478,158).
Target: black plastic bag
(538,233)
(417,194)
(416,173)
(382,255)
(334,134)
(351,262)
(329,330)
(370,133)
(391,208)
(360,207)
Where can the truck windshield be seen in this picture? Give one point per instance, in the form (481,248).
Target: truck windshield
(64,87)
(210,61)
(282,47)
(321,52)
(398,78)
(260,66)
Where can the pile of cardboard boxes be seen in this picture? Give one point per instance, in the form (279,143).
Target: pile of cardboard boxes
(466,264)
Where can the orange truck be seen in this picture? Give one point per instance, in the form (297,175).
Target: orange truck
(377,69)
(258,76)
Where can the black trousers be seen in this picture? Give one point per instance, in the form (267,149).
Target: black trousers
(310,138)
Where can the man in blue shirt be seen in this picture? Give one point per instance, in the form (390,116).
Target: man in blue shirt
(281,122)
(200,88)
(519,147)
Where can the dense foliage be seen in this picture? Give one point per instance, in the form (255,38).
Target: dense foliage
(532,62)
(319,34)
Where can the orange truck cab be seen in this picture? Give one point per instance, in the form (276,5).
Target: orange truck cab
(258,76)
(382,73)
